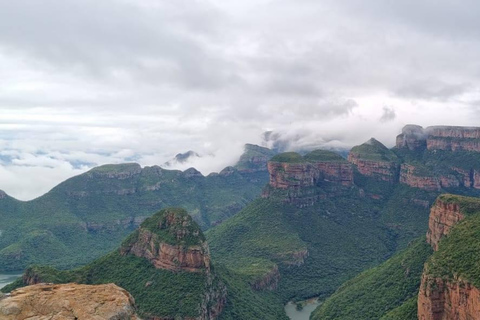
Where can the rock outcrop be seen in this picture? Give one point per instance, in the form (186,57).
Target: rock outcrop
(439,299)
(268,281)
(443,216)
(68,301)
(373,159)
(254,159)
(291,171)
(439,138)
(170,240)
(447,298)
(409,175)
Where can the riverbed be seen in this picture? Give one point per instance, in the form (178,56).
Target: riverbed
(304,314)
(7,278)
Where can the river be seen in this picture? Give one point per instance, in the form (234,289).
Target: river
(6,278)
(304,314)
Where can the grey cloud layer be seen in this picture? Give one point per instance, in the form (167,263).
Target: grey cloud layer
(89,82)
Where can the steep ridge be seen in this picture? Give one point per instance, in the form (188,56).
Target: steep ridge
(180,284)
(313,224)
(68,301)
(373,159)
(378,291)
(91,213)
(450,281)
(439,157)
(300,176)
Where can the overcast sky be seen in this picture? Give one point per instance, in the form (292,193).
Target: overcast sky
(84,83)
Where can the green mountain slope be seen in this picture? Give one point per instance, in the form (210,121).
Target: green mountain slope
(91,213)
(194,288)
(376,291)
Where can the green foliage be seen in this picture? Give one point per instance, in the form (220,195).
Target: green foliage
(468,205)
(289,157)
(407,311)
(323,155)
(174,226)
(458,253)
(254,158)
(378,290)
(89,215)
(245,303)
(375,151)
(341,234)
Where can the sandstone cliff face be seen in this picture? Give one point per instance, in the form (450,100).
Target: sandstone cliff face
(409,177)
(269,281)
(412,137)
(298,175)
(166,256)
(383,170)
(440,138)
(188,252)
(439,299)
(443,216)
(68,301)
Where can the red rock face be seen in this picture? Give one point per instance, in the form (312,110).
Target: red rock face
(435,143)
(383,170)
(297,175)
(443,216)
(169,257)
(408,177)
(442,300)
(335,172)
(290,175)
(269,281)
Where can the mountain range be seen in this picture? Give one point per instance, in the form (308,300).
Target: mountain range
(349,231)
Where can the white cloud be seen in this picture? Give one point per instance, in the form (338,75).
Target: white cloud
(84,83)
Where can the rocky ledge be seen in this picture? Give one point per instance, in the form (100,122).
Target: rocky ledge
(375,160)
(444,214)
(448,138)
(170,240)
(441,297)
(68,301)
(290,170)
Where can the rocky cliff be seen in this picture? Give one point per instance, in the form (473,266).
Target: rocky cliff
(412,176)
(440,138)
(445,293)
(68,301)
(170,240)
(445,213)
(303,180)
(290,170)
(440,299)
(375,160)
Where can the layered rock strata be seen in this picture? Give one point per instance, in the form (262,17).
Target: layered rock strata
(439,138)
(68,301)
(153,241)
(440,298)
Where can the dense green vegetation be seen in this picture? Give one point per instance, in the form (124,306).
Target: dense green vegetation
(254,158)
(407,311)
(323,155)
(159,292)
(374,292)
(289,157)
(458,253)
(342,236)
(374,150)
(89,215)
